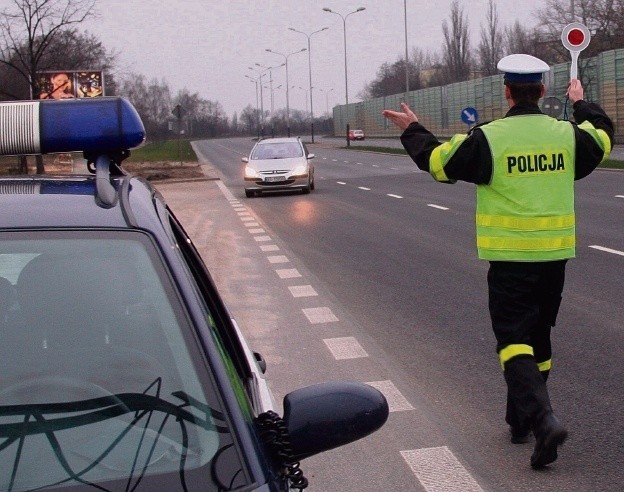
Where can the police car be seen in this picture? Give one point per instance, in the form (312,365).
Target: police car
(120,366)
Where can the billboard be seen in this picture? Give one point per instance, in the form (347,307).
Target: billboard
(67,84)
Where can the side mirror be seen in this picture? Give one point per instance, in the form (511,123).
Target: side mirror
(311,156)
(327,415)
(245,159)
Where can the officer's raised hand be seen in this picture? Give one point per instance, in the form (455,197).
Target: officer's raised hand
(575,90)
(402,119)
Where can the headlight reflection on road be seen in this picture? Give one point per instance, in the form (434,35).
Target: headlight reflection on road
(304,212)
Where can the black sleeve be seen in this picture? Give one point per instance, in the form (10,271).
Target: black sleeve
(419,143)
(588,152)
(472,162)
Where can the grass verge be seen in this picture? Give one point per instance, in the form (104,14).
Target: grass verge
(168,150)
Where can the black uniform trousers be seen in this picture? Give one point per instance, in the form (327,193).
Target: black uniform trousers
(524,299)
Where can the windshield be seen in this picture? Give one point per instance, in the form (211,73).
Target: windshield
(282,150)
(97,376)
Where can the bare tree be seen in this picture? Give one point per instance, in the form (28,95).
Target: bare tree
(30,27)
(456,54)
(490,49)
(152,101)
(604,19)
(27,29)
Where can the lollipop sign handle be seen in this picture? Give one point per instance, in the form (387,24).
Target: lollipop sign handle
(574,65)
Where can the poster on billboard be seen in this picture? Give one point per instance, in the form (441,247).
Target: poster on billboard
(68,84)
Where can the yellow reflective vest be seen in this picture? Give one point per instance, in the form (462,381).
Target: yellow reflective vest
(526,212)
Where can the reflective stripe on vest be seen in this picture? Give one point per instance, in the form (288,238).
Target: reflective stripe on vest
(600,136)
(442,154)
(526,212)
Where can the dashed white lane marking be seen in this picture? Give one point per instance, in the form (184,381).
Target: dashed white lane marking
(341,182)
(394,196)
(440,207)
(345,348)
(608,250)
(375,165)
(359,164)
(302,291)
(269,247)
(619,196)
(256,231)
(261,239)
(278,259)
(288,273)
(396,401)
(334,160)
(319,315)
(438,470)
(364,188)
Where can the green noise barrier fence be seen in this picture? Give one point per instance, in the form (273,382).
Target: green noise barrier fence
(440,108)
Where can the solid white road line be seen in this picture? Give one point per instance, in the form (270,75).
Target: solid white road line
(438,470)
(608,250)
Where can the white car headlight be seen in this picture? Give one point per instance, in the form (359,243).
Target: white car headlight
(250,172)
(300,170)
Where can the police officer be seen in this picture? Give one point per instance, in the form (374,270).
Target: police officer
(524,166)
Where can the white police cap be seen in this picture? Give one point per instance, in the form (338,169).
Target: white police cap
(522,68)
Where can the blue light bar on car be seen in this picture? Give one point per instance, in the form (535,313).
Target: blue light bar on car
(96,125)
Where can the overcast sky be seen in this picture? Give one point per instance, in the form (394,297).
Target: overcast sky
(207,46)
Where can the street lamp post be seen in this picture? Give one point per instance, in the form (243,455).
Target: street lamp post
(260,74)
(326,98)
(306,94)
(310,73)
(286,63)
(270,70)
(406,55)
(255,81)
(344,27)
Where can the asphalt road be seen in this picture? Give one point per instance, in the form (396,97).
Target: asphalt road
(390,255)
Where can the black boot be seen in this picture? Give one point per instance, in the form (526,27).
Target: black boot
(527,397)
(549,435)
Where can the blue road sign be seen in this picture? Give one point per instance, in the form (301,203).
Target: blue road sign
(469,115)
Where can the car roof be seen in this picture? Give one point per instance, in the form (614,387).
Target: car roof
(279,140)
(73,202)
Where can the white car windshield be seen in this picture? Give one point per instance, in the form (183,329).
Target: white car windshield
(281,150)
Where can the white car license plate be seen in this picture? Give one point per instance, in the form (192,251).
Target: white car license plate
(275,178)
